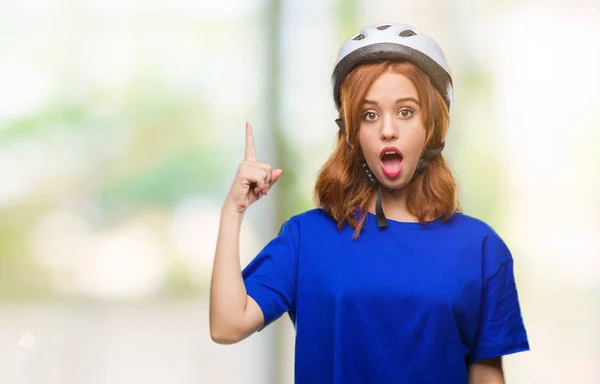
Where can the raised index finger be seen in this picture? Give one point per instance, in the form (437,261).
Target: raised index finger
(250,153)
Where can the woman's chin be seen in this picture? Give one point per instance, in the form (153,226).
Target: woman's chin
(392,185)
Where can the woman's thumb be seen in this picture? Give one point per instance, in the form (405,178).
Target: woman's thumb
(275,174)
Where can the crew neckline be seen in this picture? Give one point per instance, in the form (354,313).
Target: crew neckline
(407,224)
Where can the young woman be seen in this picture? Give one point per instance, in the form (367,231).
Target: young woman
(386,281)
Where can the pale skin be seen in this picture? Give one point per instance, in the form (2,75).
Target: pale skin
(233,314)
(391,118)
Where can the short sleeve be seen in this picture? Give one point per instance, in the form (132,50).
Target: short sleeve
(270,278)
(501,328)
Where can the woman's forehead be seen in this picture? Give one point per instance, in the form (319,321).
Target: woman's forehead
(392,86)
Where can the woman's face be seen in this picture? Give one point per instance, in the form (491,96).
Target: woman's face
(392,134)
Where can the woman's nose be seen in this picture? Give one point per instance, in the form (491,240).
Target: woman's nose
(389,130)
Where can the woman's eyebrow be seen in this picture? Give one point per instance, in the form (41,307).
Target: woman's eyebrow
(401,100)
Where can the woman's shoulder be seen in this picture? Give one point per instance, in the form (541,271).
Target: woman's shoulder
(308,224)
(494,250)
(312,217)
(473,226)
(484,234)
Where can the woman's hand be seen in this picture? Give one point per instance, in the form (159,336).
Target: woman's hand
(253,179)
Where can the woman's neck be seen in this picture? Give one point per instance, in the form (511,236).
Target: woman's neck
(394,205)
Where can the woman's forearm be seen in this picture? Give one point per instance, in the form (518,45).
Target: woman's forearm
(227,293)
(486,371)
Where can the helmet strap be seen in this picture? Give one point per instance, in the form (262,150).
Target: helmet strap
(429,154)
(342,128)
(381,219)
(340,124)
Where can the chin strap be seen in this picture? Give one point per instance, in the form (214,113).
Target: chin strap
(381,219)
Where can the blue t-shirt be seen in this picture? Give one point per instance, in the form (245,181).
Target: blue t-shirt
(410,303)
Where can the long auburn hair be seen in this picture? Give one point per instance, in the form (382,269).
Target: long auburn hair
(342,188)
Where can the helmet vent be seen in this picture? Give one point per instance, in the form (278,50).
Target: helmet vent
(360,36)
(383,27)
(407,33)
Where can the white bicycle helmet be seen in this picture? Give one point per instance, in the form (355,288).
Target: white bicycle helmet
(393,42)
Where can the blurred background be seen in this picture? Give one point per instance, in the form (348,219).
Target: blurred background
(122,126)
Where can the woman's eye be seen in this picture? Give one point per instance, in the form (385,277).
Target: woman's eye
(405,113)
(370,116)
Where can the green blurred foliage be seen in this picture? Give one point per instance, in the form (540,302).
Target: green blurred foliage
(159,160)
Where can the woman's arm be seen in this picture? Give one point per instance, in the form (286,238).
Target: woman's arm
(233,314)
(486,371)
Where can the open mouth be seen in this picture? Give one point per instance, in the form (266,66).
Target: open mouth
(391,162)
